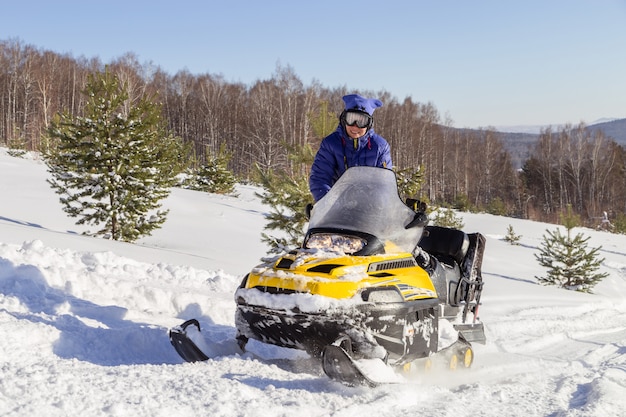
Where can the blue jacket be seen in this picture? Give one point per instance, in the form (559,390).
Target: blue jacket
(339,152)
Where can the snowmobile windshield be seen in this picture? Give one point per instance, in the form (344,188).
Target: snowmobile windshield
(366,200)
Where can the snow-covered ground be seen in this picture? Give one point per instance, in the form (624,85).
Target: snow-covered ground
(83,322)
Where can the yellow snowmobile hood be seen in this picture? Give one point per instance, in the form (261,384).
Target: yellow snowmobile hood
(342,276)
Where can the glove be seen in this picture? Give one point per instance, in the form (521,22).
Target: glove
(416,205)
(307,210)
(422,257)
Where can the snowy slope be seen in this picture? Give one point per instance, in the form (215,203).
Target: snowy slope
(84,322)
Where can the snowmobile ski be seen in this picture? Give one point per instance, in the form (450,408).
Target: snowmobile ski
(186,347)
(339,366)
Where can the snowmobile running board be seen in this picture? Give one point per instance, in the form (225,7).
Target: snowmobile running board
(472,332)
(340,366)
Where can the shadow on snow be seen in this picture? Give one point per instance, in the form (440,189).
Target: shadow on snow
(88,332)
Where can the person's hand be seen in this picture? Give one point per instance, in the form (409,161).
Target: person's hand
(416,205)
(307,210)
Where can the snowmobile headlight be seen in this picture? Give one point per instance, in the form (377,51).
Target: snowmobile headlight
(382,295)
(335,242)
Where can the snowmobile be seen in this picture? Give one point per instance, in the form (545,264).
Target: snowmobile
(355,290)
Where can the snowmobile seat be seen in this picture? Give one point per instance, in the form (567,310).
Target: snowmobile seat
(445,243)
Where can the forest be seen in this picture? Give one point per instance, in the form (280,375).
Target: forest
(260,125)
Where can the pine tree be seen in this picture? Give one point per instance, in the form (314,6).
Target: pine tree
(214,176)
(113,165)
(511,237)
(323,122)
(17,145)
(287,196)
(409,182)
(571,265)
(446,217)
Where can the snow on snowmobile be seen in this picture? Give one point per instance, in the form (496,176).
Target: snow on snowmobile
(355,290)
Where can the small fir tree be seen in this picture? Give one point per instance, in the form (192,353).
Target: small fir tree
(323,122)
(288,198)
(446,217)
(287,194)
(17,146)
(409,182)
(511,237)
(214,176)
(619,224)
(462,203)
(571,265)
(113,165)
(497,207)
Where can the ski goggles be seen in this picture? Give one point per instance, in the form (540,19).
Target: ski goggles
(361,120)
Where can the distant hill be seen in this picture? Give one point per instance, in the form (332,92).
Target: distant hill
(520,144)
(615,129)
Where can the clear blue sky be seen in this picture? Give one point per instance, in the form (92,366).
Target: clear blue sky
(482,63)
